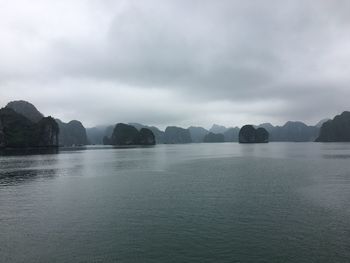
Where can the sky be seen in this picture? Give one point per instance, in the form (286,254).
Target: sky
(177,62)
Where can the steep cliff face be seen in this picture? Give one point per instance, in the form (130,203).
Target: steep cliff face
(248,134)
(158,134)
(124,134)
(16,131)
(262,135)
(2,135)
(72,133)
(26,109)
(146,137)
(336,130)
(47,132)
(177,135)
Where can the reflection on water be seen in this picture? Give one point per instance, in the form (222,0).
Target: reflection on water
(276,202)
(21,167)
(29,151)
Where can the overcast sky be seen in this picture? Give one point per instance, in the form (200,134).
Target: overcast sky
(177,62)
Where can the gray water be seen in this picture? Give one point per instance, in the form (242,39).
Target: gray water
(276,202)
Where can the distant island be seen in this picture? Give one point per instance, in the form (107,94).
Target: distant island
(336,130)
(23,126)
(124,134)
(249,134)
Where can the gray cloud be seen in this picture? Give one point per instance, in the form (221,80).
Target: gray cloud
(177,62)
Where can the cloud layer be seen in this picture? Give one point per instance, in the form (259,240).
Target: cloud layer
(177,62)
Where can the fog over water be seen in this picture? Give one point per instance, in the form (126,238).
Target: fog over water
(177,62)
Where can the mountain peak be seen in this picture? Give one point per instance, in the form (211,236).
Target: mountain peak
(26,109)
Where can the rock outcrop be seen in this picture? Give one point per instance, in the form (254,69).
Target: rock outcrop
(125,134)
(214,137)
(26,109)
(174,135)
(248,134)
(16,131)
(336,130)
(48,132)
(72,133)
(158,134)
(2,136)
(146,137)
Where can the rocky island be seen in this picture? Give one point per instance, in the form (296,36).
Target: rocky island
(124,134)
(17,131)
(336,130)
(248,134)
(72,133)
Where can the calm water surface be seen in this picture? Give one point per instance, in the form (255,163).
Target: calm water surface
(276,202)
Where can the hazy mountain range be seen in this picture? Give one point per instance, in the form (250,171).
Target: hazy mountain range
(74,133)
(291,131)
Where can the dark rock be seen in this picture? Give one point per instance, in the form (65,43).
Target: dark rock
(175,135)
(214,137)
(158,134)
(336,130)
(262,135)
(26,109)
(48,132)
(146,137)
(16,131)
(72,133)
(248,134)
(125,134)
